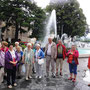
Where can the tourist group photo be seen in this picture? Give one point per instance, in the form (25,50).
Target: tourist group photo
(44,45)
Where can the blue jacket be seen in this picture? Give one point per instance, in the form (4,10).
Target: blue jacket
(40,54)
(21,52)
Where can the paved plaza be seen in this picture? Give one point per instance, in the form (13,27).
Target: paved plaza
(58,83)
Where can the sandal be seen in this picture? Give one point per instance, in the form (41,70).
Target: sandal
(74,80)
(60,73)
(56,73)
(70,78)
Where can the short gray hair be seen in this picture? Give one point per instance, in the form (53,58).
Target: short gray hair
(60,40)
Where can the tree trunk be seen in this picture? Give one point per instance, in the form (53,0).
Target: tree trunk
(16,32)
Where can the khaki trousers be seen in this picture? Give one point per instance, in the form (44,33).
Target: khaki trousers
(1,74)
(59,61)
(49,61)
(28,70)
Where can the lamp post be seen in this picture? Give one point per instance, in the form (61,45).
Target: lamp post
(62,30)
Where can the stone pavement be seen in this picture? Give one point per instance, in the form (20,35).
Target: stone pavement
(58,83)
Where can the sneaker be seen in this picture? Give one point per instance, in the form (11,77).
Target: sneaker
(40,77)
(30,77)
(74,80)
(10,86)
(56,73)
(89,85)
(27,79)
(36,77)
(15,84)
(53,75)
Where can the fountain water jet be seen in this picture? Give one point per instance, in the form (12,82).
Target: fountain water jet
(50,27)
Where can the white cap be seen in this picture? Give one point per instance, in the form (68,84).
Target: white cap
(29,44)
(17,43)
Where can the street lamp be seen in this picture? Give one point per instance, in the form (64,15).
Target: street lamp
(2,24)
(62,30)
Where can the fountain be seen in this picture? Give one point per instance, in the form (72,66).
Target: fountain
(66,40)
(51,28)
(51,31)
(83,47)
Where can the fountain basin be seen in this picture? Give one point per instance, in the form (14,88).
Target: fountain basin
(84,52)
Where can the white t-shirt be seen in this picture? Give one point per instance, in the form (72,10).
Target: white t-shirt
(49,49)
(37,54)
(12,54)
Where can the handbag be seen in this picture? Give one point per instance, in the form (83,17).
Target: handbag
(23,70)
(40,61)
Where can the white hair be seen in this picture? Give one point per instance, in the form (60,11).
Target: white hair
(29,44)
(50,38)
(73,44)
(38,45)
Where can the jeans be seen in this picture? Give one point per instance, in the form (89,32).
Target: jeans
(73,68)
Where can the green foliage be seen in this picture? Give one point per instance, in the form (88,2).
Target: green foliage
(22,13)
(70,16)
(38,26)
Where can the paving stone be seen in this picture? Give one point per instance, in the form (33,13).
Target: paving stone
(58,83)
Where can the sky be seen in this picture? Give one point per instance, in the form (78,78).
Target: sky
(84,4)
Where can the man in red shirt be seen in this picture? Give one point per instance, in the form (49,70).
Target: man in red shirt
(61,54)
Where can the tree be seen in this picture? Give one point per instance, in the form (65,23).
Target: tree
(21,13)
(70,18)
(38,26)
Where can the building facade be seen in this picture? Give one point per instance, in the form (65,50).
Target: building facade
(9,34)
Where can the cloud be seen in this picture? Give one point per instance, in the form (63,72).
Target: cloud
(42,3)
(85,5)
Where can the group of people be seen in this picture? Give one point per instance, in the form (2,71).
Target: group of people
(57,53)
(12,58)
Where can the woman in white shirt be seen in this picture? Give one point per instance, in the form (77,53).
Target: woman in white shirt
(39,54)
